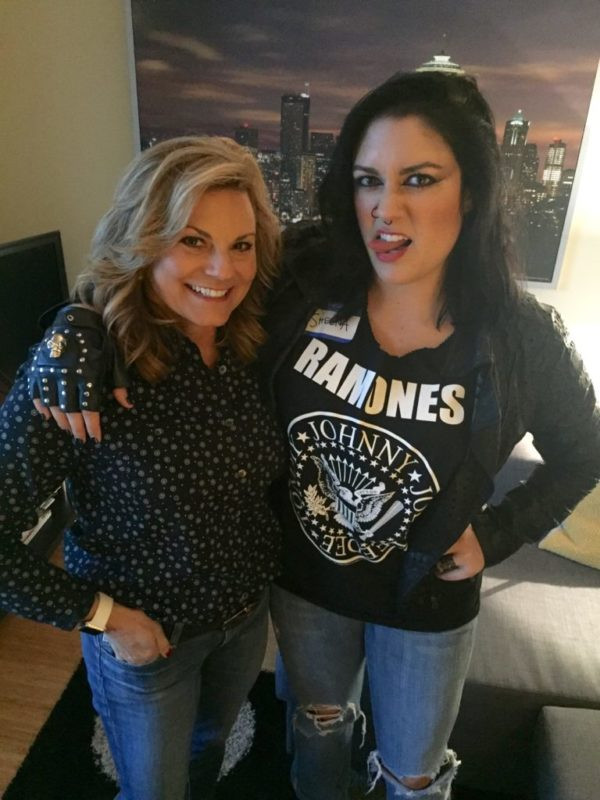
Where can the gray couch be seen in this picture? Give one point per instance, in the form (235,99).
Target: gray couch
(538,645)
(567,746)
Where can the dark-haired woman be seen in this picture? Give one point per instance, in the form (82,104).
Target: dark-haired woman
(405,365)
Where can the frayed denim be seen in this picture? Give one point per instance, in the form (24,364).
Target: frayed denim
(415,679)
(439,788)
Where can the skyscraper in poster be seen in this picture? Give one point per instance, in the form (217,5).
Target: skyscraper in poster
(531,163)
(293,137)
(512,148)
(553,166)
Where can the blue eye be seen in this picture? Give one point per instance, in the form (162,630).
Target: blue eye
(420,180)
(366,181)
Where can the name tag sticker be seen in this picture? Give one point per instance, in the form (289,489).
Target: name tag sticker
(321,325)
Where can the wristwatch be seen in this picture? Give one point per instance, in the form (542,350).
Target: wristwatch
(97,623)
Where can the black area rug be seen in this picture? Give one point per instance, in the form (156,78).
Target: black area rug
(60,764)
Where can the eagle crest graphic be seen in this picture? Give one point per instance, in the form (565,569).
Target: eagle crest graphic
(356,497)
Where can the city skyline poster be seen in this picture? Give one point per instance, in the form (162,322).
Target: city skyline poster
(280,77)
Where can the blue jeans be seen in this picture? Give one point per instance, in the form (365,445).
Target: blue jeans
(167,722)
(415,679)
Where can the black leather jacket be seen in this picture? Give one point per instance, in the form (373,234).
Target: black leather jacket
(529,379)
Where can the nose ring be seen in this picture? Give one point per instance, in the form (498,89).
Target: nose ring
(383,219)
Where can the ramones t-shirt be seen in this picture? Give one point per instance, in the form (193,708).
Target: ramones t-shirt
(373,439)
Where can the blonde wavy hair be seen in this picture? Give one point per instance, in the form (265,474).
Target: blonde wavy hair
(152,204)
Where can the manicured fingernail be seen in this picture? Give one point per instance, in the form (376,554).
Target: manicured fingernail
(169,653)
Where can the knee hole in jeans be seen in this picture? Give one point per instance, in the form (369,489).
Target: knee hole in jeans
(324,719)
(410,781)
(323,714)
(426,783)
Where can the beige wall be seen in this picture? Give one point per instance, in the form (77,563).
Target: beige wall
(66,130)
(66,127)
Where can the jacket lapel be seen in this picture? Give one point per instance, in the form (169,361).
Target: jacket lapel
(472,484)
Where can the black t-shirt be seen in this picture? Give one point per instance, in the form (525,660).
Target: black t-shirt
(373,438)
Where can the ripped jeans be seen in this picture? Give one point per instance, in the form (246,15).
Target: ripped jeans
(415,679)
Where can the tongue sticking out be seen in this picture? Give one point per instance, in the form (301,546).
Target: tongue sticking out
(389,245)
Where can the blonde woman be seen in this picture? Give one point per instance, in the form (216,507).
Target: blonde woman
(168,563)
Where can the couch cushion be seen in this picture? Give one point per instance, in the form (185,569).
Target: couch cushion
(538,628)
(567,744)
(537,644)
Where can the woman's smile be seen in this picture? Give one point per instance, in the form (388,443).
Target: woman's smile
(209,270)
(205,293)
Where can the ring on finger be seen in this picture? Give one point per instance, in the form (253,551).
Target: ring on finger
(446,564)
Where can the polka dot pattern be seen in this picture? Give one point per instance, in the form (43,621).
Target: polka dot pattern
(171,506)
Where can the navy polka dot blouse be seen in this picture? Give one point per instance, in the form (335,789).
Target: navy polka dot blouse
(171,507)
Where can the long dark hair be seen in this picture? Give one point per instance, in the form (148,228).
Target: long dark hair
(478,284)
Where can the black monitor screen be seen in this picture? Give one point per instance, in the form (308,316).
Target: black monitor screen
(32,279)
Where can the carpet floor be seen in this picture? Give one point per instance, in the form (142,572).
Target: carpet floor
(61,765)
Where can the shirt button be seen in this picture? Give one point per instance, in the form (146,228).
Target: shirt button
(229,422)
(241,473)
(222,369)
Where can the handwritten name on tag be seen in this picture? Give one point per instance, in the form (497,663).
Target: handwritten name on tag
(321,325)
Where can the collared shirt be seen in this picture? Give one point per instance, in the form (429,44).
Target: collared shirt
(171,506)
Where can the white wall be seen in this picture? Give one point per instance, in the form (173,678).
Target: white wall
(66,127)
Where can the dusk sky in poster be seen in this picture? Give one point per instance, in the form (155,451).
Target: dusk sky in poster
(207,67)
